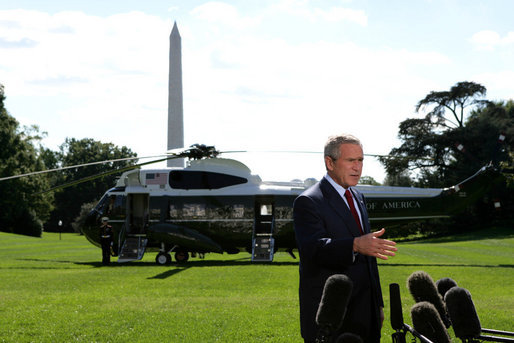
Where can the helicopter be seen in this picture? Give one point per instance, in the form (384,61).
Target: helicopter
(216,205)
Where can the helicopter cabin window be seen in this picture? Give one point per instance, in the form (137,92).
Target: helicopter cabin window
(155,208)
(193,210)
(193,179)
(266,210)
(238,211)
(173,212)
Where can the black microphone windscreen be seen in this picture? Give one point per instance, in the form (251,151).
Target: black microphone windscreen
(395,306)
(423,288)
(426,321)
(444,285)
(349,338)
(462,313)
(335,298)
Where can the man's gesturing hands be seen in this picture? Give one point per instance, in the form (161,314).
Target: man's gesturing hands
(371,245)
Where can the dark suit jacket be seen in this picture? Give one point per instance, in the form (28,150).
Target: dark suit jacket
(325,230)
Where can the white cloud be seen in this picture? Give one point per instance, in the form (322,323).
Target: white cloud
(488,40)
(341,14)
(223,13)
(303,9)
(72,47)
(499,84)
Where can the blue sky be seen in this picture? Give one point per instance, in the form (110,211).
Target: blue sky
(257,75)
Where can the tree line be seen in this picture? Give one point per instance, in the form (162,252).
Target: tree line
(26,205)
(454,133)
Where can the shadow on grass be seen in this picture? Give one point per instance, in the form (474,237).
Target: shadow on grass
(444,265)
(490,233)
(179,267)
(176,267)
(168,273)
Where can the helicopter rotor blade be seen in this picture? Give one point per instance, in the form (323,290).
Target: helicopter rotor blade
(77,166)
(110,172)
(170,154)
(317,152)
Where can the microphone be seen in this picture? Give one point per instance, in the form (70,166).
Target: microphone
(462,313)
(466,323)
(332,307)
(444,285)
(423,288)
(426,321)
(395,307)
(349,338)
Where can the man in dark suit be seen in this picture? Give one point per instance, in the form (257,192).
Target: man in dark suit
(333,238)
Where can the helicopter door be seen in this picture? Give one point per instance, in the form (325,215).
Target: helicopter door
(135,227)
(137,213)
(262,241)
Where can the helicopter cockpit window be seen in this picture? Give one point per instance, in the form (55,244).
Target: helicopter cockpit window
(115,206)
(192,179)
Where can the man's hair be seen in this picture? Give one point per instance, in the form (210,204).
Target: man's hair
(334,142)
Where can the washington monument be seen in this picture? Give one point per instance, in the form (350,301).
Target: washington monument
(175,105)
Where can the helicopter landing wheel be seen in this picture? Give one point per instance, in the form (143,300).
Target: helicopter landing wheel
(181,256)
(163,258)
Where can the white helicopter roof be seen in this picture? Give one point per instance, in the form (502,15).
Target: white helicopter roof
(393,192)
(222,165)
(216,165)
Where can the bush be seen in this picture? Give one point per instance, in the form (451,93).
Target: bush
(28,224)
(81,218)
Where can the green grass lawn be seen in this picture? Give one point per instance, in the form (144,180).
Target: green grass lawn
(54,290)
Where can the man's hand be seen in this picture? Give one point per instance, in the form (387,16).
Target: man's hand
(371,245)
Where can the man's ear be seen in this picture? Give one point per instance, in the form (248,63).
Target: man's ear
(329,163)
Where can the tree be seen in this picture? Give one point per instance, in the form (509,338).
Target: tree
(399,180)
(22,209)
(368,180)
(431,144)
(487,136)
(68,201)
(460,96)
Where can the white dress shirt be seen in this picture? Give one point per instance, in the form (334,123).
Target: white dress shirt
(341,190)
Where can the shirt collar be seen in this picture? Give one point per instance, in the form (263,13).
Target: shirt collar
(340,189)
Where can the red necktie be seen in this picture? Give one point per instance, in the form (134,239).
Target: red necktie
(348,196)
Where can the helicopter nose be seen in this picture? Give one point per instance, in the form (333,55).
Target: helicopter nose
(90,226)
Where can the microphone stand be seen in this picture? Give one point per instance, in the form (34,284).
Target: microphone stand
(495,339)
(324,335)
(488,338)
(398,324)
(416,334)
(498,332)
(398,336)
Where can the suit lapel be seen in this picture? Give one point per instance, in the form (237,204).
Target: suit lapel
(339,206)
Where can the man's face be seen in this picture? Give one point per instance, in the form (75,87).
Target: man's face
(347,169)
